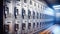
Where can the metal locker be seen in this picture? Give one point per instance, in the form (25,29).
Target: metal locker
(16,28)
(6,29)
(23,13)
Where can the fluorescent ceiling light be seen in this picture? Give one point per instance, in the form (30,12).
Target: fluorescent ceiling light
(56,7)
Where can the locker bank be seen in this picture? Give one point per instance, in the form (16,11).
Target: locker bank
(26,16)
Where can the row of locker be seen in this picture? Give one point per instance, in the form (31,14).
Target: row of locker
(38,16)
(31,27)
(20,19)
(26,25)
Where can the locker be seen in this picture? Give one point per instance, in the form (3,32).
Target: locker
(37,15)
(29,25)
(40,24)
(25,1)
(37,24)
(23,26)
(15,12)
(29,14)
(18,0)
(6,12)
(6,29)
(33,25)
(26,16)
(23,13)
(31,2)
(24,31)
(33,15)
(16,28)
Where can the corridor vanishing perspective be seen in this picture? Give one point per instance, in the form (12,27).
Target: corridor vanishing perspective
(29,17)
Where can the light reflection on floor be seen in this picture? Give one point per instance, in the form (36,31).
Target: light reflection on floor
(56,29)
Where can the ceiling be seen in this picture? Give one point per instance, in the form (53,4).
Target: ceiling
(54,2)
(51,3)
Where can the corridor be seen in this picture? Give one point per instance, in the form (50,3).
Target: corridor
(31,16)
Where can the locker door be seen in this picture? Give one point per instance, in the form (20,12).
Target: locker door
(37,24)
(40,24)
(18,0)
(23,13)
(6,11)
(31,2)
(15,12)
(33,15)
(16,27)
(25,1)
(33,25)
(29,14)
(37,15)
(40,15)
(6,29)
(29,25)
(23,26)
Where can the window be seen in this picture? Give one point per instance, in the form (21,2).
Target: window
(23,26)
(15,12)
(33,25)
(29,14)
(29,25)
(23,13)
(37,15)
(30,2)
(16,27)
(25,1)
(33,15)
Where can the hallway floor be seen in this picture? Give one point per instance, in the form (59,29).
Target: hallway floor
(55,29)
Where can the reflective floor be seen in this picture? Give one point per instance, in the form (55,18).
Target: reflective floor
(55,29)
